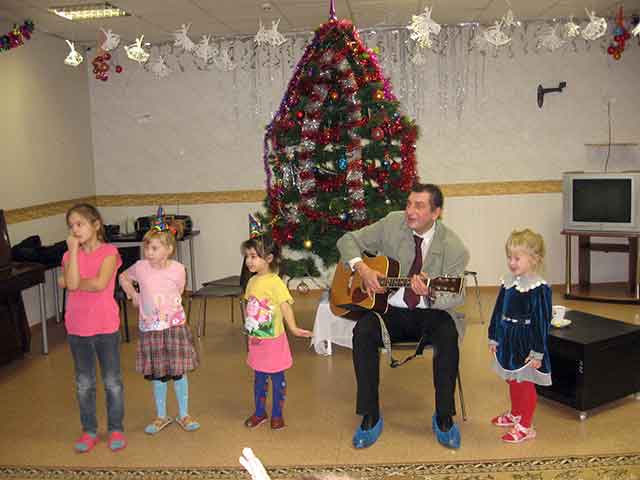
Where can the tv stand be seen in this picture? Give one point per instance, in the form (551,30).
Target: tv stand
(628,292)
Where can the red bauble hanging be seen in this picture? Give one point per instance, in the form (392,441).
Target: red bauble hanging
(377,134)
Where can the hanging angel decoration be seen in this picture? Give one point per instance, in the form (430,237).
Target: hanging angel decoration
(204,50)
(422,27)
(596,27)
(495,36)
(636,31)
(111,40)
(549,39)
(181,39)
(135,51)
(224,62)
(271,37)
(73,58)
(572,30)
(159,68)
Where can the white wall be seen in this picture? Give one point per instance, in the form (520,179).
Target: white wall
(47,153)
(202,131)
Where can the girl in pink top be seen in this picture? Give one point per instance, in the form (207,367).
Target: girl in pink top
(268,302)
(165,346)
(92,320)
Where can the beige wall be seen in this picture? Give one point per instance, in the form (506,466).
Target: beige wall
(47,154)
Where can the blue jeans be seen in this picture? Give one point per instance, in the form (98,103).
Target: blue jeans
(107,348)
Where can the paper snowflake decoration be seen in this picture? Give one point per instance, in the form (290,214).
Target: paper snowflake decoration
(74,58)
(636,31)
(224,62)
(270,37)
(572,30)
(549,38)
(111,40)
(596,27)
(495,36)
(159,68)
(422,27)
(181,39)
(204,50)
(135,51)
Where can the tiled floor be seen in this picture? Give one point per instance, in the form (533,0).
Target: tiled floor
(40,416)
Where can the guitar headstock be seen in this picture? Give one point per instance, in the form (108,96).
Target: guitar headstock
(447,284)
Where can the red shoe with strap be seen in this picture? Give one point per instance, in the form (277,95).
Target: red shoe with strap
(507,419)
(519,434)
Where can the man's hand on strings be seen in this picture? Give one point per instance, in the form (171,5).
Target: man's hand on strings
(370,279)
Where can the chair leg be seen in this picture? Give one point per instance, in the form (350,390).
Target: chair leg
(461,394)
(232,310)
(475,280)
(126,321)
(204,317)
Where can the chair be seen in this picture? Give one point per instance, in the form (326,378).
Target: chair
(414,346)
(231,287)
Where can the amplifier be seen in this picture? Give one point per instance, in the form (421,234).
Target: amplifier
(182,223)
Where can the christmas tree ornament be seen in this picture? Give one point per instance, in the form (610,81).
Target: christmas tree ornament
(135,51)
(73,58)
(621,35)
(636,30)
(111,40)
(377,134)
(423,27)
(16,37)
(119,69)
(596,27)
(308,244)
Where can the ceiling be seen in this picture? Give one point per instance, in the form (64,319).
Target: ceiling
(157,19)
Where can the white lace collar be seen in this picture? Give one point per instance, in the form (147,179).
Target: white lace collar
(523,283)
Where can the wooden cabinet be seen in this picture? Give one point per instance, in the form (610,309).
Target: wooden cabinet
(627,292)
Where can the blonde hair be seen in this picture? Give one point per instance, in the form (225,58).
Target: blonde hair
(164,236)
(91,214)
(529,241)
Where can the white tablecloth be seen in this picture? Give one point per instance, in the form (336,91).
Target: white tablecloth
(328,329)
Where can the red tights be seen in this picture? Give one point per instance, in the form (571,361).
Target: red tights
(523,401)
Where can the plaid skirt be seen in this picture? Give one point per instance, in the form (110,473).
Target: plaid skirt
(166,353)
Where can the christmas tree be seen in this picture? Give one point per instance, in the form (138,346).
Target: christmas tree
(338,154)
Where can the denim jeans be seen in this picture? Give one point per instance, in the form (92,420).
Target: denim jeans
(107,348)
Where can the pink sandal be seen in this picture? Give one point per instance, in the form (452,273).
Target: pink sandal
(85,443)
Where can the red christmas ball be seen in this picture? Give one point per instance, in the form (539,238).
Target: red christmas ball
(107,56)
(300,114)
(611,50)
(377,134)
(104,78)
(119,69)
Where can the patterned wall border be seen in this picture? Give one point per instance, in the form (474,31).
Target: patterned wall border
(588,467)
(257,196)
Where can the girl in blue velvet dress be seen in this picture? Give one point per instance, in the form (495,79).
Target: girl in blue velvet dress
(518,333)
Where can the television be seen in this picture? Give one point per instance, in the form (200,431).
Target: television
(601,202)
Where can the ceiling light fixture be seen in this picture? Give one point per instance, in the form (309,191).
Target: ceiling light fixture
(88,11)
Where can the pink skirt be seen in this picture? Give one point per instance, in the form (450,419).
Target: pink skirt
(269,355)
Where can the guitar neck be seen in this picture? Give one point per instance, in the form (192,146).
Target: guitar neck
(397,282)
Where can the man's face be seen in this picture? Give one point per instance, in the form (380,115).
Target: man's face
(419,214)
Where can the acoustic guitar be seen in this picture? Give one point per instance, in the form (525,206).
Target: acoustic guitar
(349,299)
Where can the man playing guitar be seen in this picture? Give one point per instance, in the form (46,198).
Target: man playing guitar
(423,246)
